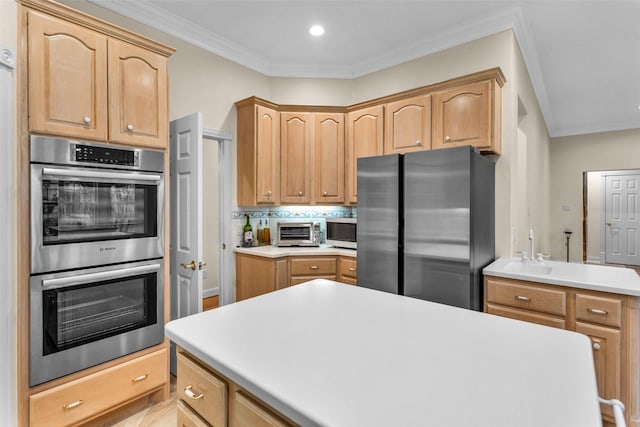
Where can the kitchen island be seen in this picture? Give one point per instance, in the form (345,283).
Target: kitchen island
(327,354)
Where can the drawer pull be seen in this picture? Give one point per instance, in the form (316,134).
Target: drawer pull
(192,395)
(597,311)
(522,298)
(596,346)
(72,405)
(313,267)
(352,269)
(140,378)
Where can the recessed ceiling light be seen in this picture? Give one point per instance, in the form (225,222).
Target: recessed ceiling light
(316,30)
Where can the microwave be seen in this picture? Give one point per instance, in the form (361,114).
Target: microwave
(342,232)
(298,234)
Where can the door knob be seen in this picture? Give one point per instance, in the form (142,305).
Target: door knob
(191,265)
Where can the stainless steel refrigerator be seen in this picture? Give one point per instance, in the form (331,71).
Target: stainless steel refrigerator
(426,224)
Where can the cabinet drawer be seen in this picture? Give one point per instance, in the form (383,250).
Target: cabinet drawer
(530,297)
(87,397)
(188,418)
(250,413)
(526,316)
(348,267)
(313,266)
(202,391)
(597,309)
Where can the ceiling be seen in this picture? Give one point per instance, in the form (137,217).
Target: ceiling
(583,56)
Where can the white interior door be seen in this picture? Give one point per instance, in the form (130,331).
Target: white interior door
(186,218)
(622,235)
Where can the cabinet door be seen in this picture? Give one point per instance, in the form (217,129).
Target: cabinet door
(329,158)
(67,79)
(463,116)
(137,96)
(256,275)
(606,348)
(267,141)
(296,146)
(408,125)
(364,139)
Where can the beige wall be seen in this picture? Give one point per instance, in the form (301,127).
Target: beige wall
(570,157)
(8,249)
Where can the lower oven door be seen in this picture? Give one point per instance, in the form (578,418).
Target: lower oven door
(86,317)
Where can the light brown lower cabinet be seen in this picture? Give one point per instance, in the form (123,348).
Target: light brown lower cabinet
(611,321)
(207,398)
(257,275)
(89,397)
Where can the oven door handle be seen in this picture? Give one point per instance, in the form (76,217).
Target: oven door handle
(75,173)
(99,276)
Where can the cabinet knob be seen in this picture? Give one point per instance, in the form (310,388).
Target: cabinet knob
(129,127)
(87,120)
(300,193)
(596,346)
(418,142)
(447,138)
(324,193)
(268,193)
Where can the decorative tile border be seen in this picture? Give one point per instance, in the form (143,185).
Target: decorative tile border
(286,212)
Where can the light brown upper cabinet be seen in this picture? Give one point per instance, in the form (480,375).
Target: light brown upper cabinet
(364,139)
(85,84)
(329,158)
(469,114)
(138,106)
(408,125)
(296,147)
(258,162)
(67,78)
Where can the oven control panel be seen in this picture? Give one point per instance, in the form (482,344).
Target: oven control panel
(104,155)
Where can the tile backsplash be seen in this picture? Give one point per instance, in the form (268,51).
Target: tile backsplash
(287,213)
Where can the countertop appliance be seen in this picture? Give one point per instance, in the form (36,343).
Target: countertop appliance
(94,204)
(342,232)
(298,234)
(426,224)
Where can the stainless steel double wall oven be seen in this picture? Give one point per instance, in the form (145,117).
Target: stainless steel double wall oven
(97,247)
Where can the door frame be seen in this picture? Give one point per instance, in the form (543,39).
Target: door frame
(226,293)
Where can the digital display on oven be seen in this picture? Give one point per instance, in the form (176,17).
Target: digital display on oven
(102,155)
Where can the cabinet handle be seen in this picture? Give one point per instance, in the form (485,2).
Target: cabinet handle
(129,127)
(596,346)
(522,298)
(192,395)
(418,142)
(87,120)
(72,405)
(447,138)
(140,378)
(352,269)
(597,311)
(313,267)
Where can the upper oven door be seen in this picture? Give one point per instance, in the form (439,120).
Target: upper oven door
(85,216)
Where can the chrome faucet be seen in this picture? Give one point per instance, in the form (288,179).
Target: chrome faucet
(532,244)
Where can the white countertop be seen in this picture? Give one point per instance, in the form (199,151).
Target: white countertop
(278,252)
(583,276)
(330,354)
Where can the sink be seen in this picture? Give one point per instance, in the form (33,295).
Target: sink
(527,267)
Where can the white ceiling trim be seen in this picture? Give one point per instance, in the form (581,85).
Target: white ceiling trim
(510,19)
